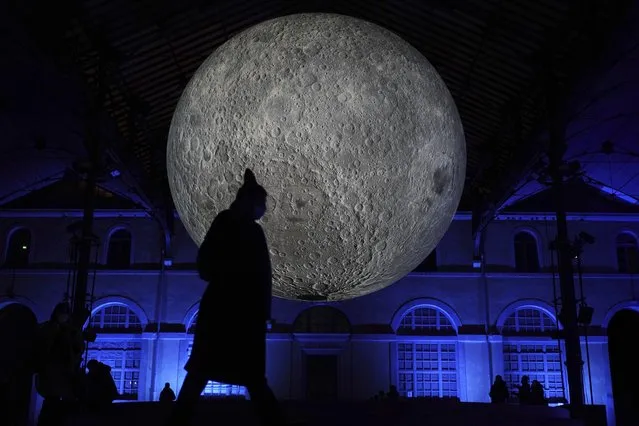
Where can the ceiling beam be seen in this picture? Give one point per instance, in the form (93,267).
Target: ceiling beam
(591,19)
(47,23)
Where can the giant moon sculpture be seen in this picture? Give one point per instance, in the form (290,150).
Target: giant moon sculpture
(351,131)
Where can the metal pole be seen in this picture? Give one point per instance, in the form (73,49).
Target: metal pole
(583,303)
(86,237)
(556,305)
(574,363)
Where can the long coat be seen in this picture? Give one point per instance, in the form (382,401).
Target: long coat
(229,344)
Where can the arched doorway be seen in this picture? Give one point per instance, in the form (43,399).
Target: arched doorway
(623,333)
(18,325)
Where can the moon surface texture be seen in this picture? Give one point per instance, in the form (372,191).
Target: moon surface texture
(350,130)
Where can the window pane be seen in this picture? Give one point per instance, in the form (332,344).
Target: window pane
(537,361)
(529,320)
(18,249)
(116,318)
(425,320)
(124,358)
(627,254)
(221,389)
(432,374)
(526,254)
(119,250)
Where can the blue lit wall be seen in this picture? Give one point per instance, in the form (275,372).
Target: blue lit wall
(459,300)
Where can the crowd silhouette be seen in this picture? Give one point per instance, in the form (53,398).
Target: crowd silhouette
(527,393)
(60,377)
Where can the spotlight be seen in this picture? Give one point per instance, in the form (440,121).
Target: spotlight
(115,173)
(476,263)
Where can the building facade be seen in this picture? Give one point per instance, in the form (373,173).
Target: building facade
(445,330)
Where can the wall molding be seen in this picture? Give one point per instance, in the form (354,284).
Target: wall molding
(460,216)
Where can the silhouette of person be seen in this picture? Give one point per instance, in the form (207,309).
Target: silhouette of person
(167,394)
(392,394)
(59,348)
(524,390)
(101,390)
(537,393)
(229,344)
(498,391)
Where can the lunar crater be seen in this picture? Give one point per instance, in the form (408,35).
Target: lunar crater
(348,127)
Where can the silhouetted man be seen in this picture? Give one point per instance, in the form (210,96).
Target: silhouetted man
(392,394)
(524,390)
(229,344)
(59,354)
(537,396)
(167,395)
(101,390)
(498,391)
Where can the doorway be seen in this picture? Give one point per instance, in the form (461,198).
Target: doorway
(17,332)
(623,333)
(321,377)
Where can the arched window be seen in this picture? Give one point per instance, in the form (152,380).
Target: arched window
(119,250)
(215,389)
(122,355)
(427,368)
(530,351)
(321,319)
(627,253)
(116,318)
(426,320)
(192,325)
(18,248)
(529,321)
(526,253)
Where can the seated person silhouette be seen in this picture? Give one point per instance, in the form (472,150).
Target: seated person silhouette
(167,394)
(58,355)
(498,391)
(392,394)
(524,390)
(100,386)
(537,393)
(229,344)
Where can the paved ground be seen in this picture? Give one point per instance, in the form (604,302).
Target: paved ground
(405,413)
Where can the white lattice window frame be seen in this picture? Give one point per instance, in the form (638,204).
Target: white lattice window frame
(440,321)
(217,389)
(129,355)
(135,325)
(442,378)
(517,322)
(538,358)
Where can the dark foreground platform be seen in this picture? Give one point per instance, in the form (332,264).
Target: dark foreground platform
(401,413)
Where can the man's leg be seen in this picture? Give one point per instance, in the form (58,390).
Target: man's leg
(187,400)
(266,405)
